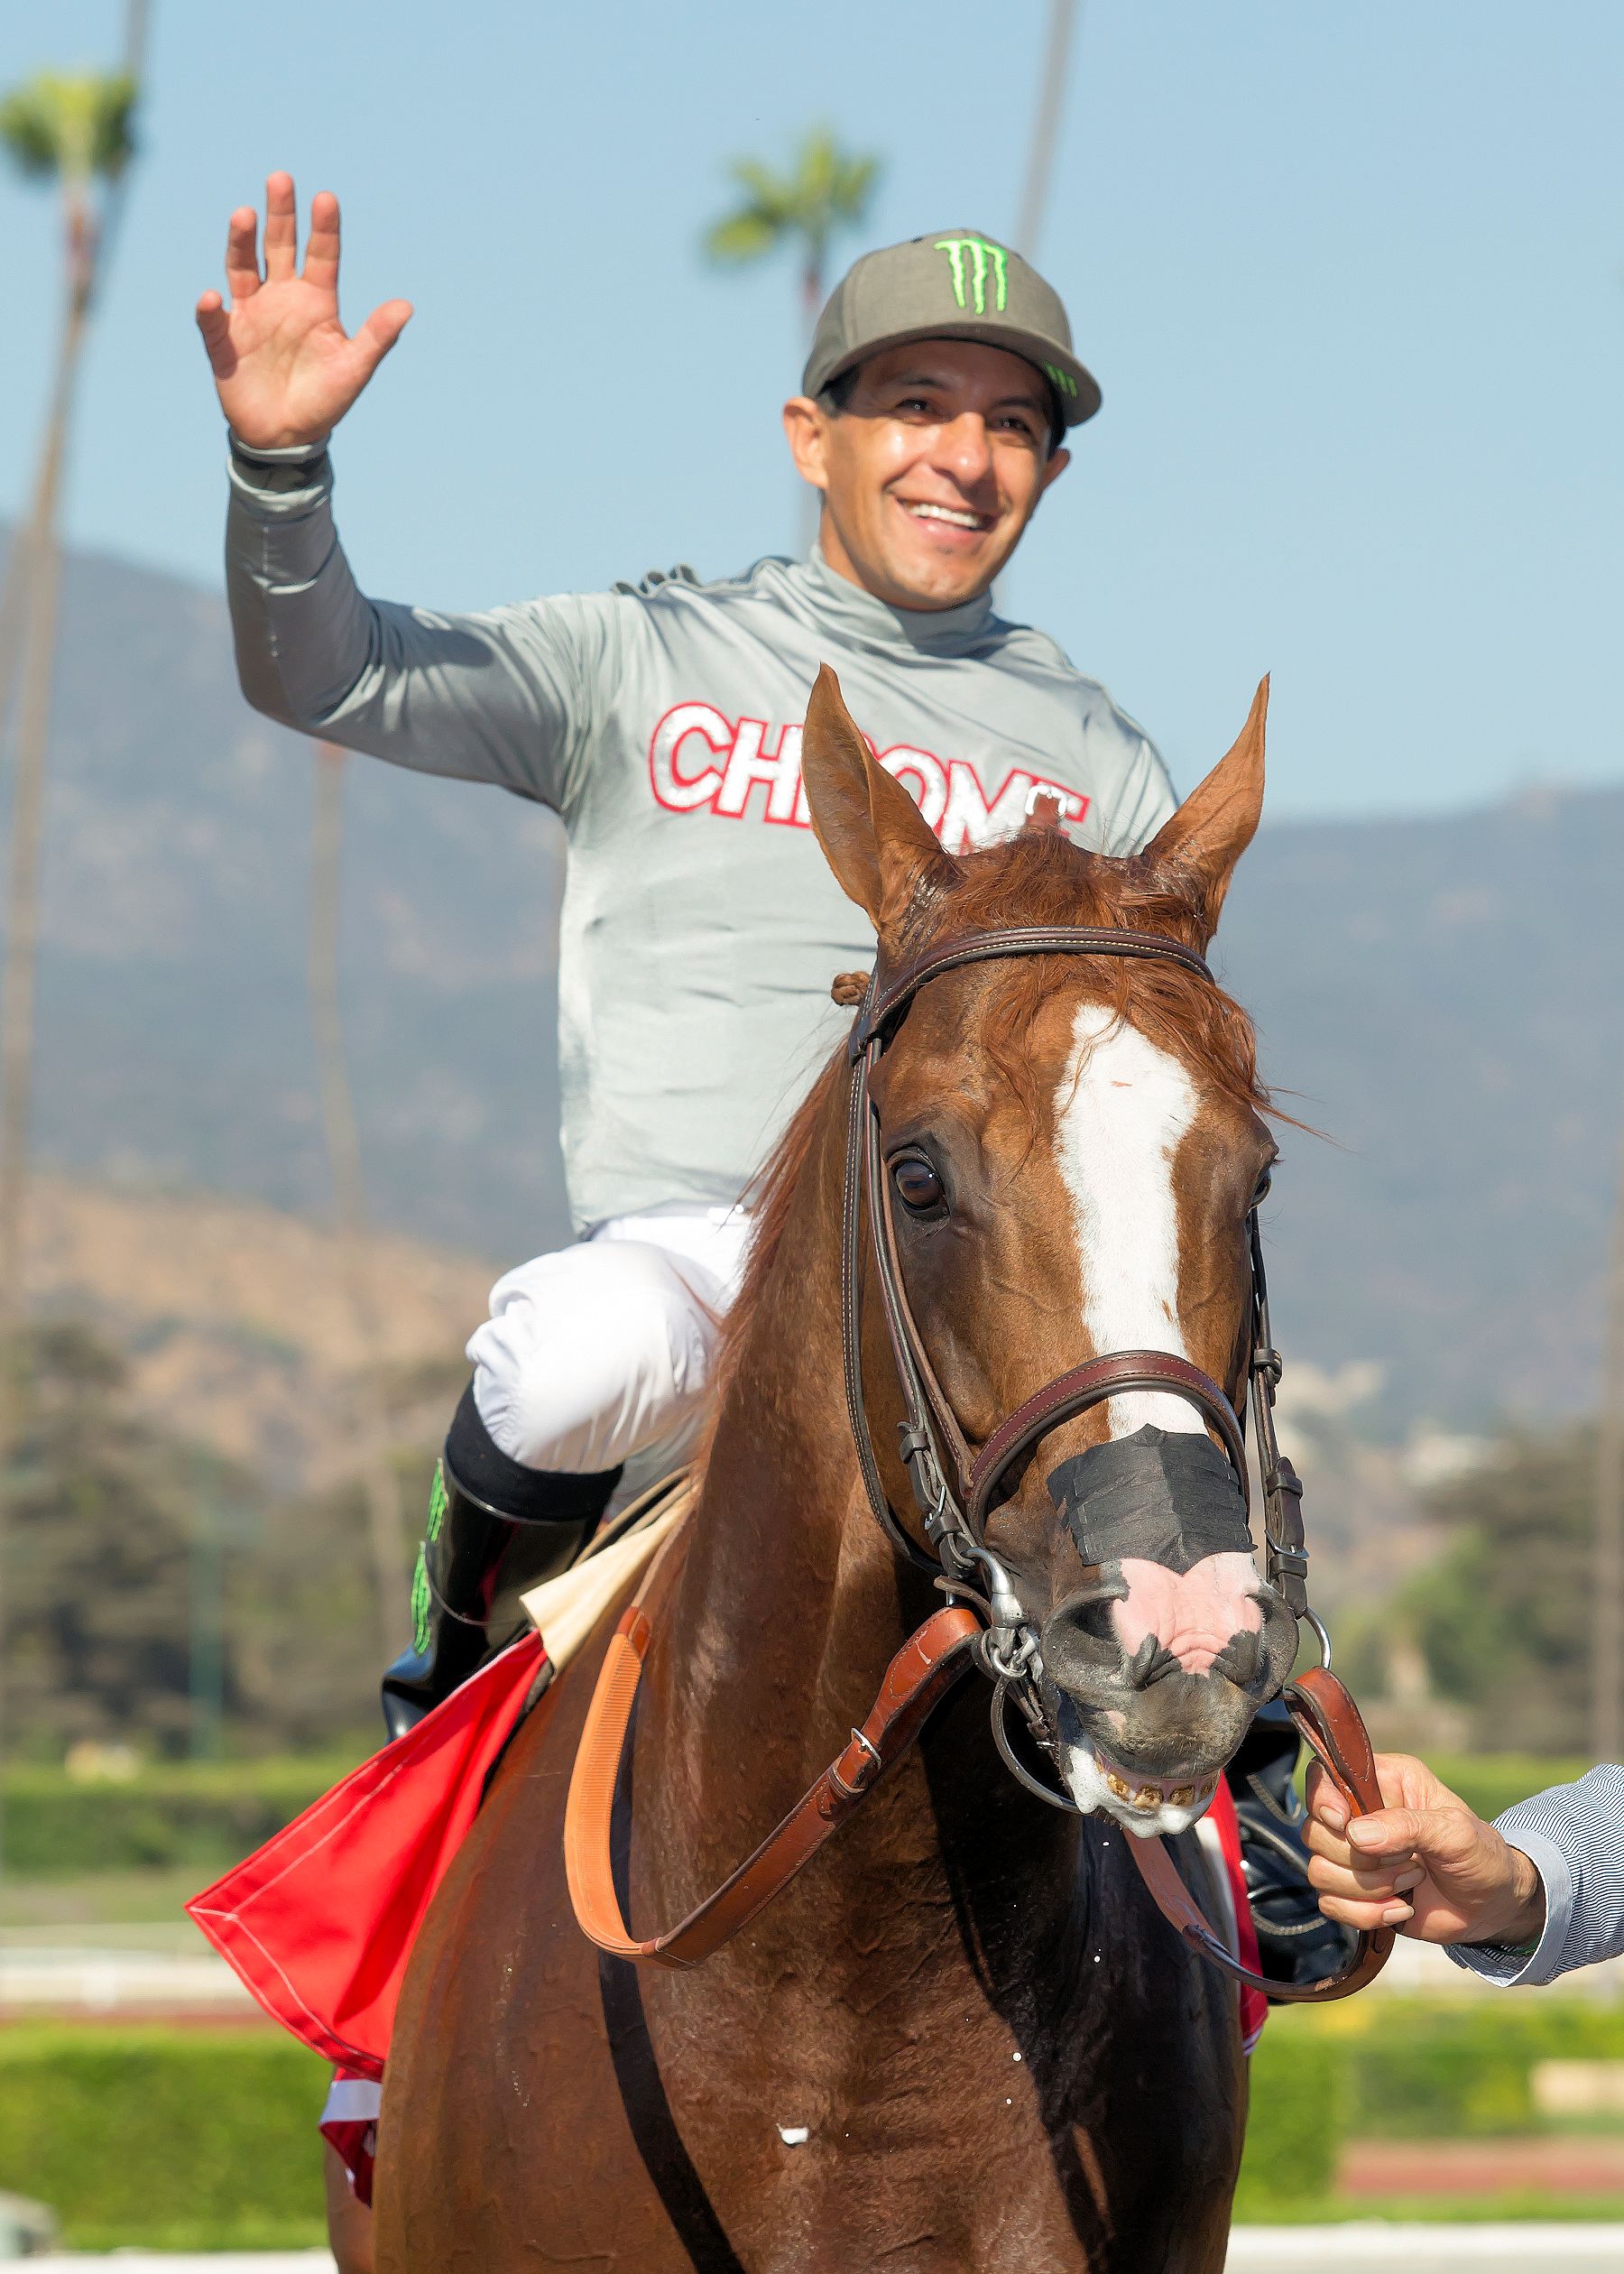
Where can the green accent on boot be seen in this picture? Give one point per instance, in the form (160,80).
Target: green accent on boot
(437,1504)
(421,1601)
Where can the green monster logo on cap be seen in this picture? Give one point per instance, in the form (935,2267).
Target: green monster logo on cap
(981,254)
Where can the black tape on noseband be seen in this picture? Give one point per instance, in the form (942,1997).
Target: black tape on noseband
(1168,1496)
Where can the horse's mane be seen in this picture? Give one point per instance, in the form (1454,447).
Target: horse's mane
(1035,877)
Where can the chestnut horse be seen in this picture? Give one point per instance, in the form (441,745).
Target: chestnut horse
(963,2039)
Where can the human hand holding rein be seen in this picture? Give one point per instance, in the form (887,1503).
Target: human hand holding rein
(1425,1863)
(285,369)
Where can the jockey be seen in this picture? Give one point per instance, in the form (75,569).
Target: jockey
(700,925)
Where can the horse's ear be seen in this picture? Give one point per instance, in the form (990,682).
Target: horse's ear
(1200,843)
(874,837)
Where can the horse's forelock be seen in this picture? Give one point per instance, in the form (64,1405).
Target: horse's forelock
(1040,877)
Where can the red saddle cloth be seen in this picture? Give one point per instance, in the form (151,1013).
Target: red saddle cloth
(319,1922)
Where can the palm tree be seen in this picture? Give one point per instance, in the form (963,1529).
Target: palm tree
(1040,152)
(1607,1549)
(76,132)
(825,190)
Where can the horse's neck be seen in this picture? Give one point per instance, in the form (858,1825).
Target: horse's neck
(786,1581)
(791,1602)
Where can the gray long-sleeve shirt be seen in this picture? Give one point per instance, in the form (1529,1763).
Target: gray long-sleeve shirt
(1574,1836)
(700,925)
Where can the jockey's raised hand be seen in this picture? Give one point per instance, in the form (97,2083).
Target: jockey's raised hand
(286,369)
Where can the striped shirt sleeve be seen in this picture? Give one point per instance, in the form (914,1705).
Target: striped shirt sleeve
(1574,1836)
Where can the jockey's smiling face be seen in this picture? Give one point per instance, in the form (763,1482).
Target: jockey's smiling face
(930,467)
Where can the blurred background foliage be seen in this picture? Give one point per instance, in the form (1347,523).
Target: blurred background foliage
(166,1603)
(171,1601)
(1486,1645)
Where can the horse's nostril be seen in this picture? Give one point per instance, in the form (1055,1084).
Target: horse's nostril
(1150,1662)
(1241,1660)
(1080,1647)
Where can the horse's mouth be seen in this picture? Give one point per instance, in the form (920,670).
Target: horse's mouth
(1147,1794)
(1142,1804)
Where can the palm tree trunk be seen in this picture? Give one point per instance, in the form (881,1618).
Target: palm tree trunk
(1040,155)
(1607,1571)
(14,619)
(36,619)
(28,622)
(368,1403)
(28,626)
(812,300)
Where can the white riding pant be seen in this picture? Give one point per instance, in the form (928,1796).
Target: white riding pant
(597,1356)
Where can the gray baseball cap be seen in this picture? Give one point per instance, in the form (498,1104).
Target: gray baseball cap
(958,285)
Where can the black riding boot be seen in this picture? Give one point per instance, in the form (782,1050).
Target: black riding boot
(1296,1941)
(495,1530)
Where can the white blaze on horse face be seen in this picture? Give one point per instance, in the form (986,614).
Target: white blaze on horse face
(1119,1113)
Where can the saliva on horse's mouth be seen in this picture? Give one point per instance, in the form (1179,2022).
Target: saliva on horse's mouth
(1168,1801)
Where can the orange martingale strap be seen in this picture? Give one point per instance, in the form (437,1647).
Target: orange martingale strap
(923,1671)
(1334,1729)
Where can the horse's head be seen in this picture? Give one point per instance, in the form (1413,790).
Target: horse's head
(1072,1147)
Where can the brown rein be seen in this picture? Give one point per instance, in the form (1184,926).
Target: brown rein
(923,1671)
(943,1648)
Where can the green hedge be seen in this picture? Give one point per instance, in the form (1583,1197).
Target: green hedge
(1294,2123)
(178,2140)
(1491,1782)
(1381,2067)
(204,2139)
(207,1814)
(1456,2074)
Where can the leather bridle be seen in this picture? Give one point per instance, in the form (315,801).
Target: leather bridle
(956,1486)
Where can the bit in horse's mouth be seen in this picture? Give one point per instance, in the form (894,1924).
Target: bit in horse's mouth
(1146,1794)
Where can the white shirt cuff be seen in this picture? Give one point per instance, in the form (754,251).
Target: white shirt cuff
(1510,1969)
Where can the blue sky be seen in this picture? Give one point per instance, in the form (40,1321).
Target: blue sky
(1353,281)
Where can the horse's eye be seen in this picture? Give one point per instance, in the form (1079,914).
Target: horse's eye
(918,1186)
(1264,1181)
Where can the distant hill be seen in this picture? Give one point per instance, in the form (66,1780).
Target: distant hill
(1443,997)
(237,1330)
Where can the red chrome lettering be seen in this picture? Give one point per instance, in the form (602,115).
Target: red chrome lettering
(951,795)
(676,791)
(747,764)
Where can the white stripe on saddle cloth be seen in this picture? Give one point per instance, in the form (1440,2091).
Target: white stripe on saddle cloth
(565,1611)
